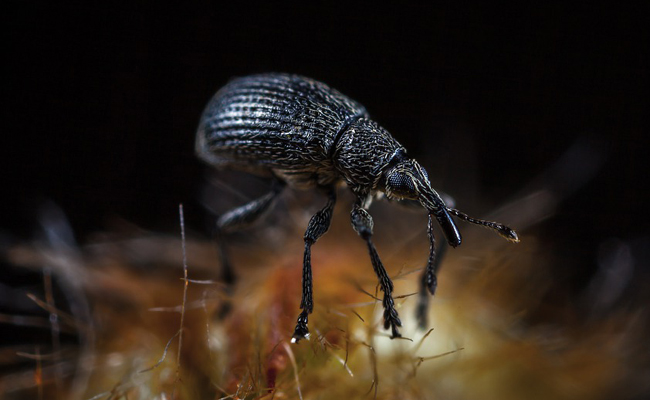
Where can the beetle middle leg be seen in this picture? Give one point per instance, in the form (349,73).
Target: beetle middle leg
(363,224)
(318,225)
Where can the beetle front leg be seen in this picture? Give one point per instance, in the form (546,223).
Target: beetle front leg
(318,225)
(363,224)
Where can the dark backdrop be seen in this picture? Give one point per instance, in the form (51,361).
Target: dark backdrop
(101,102)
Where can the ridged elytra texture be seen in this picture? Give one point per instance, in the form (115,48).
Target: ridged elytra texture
(297,129)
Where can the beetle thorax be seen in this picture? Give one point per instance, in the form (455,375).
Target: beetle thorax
(362,153)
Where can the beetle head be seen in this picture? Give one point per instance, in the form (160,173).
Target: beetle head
(407,180)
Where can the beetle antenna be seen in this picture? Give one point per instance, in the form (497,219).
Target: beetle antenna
(504,231)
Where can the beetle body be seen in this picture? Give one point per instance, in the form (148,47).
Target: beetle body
(304,134)
(295,129)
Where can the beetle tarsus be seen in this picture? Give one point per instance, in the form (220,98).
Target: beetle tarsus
(391,319)
(301,331)
(394,331)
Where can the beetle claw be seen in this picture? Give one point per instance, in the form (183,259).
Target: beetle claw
(394,323)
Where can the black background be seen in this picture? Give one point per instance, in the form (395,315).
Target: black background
(101,102)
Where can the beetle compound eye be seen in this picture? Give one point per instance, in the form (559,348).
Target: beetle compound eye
(401,185)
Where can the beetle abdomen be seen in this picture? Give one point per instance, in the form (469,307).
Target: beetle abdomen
(285,124)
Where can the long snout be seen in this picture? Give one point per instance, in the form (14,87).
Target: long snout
(436,206)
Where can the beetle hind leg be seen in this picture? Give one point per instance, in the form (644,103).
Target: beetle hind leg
(247,214)
(363,224)
(318,225)
(234,220)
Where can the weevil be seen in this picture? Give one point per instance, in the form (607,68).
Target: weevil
(305,135)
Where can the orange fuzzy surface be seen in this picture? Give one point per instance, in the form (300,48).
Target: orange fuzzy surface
(493,332)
